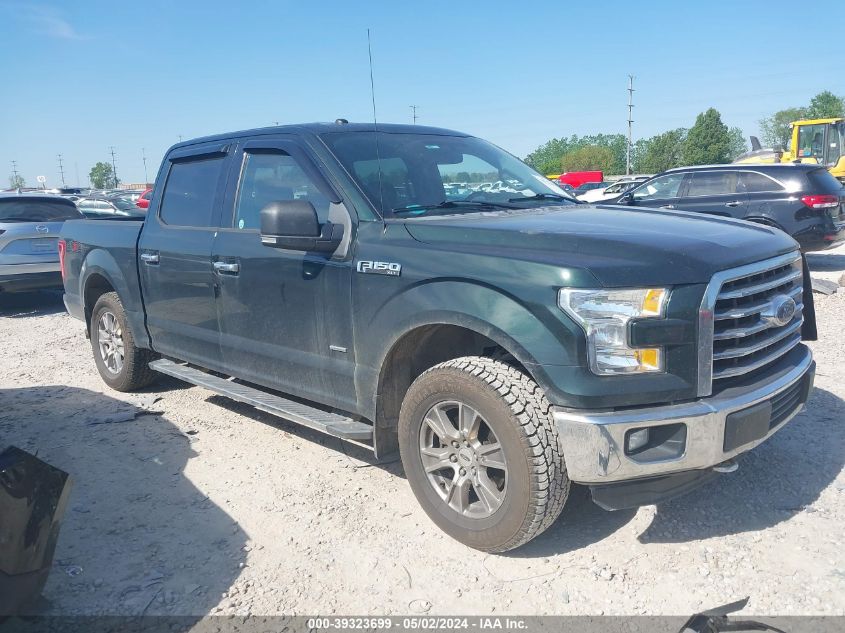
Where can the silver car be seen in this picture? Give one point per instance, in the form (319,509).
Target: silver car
(29,236)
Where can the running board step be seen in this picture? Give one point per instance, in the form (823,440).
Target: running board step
(323,421)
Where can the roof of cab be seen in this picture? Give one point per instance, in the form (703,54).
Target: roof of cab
(322,128)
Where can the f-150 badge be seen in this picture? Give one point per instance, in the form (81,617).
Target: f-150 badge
(380,268)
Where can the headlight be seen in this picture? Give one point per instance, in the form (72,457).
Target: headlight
(605,315)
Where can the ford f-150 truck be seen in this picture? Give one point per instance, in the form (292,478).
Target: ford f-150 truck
(505,344)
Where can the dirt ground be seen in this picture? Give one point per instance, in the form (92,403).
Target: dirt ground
(193,504)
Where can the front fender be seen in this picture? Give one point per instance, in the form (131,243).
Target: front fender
(535,333)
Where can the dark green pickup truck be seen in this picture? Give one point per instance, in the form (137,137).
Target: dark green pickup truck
(419,290)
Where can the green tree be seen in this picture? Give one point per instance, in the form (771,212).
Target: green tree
(16,181)
(589,157)
(102,176)
(708,141)
(826,105)
(661,152)
(737,145)
(775,129)
(546,158)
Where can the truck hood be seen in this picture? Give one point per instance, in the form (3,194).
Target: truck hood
(619,245)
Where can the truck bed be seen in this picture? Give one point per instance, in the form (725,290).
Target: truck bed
(109,249)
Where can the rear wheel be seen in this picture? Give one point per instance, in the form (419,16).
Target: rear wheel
(122,365)
(482,454)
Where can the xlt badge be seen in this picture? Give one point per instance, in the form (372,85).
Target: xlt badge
(380,268)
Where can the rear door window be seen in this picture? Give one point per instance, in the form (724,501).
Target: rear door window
(190,192)
(17,210)
(712,183)
(752,182)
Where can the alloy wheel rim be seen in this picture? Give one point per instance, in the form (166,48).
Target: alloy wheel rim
(463,459)
(110,342)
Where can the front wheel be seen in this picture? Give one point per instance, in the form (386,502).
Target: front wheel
(122,365)
(482,454)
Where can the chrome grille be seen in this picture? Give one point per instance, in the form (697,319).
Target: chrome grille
(740,332)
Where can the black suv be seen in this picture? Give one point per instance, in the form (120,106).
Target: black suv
(806,201)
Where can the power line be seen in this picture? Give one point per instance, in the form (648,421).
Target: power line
(113,167)
(630,122)
(414,111)
(61,169)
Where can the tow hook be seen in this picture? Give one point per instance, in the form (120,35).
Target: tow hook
(728,466)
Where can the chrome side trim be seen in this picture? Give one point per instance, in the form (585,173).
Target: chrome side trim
(706,313)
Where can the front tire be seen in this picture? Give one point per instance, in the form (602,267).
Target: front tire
(482,453)
(122,365)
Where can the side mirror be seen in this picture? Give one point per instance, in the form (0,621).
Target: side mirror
(293,225)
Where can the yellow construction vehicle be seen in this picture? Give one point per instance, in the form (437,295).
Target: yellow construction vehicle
(813,141)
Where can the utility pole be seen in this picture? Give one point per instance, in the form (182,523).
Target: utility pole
(144,158)
(113,167)
(414,113)
(180,138)
(76,169)
(630,122)
(15,171)
(61,169)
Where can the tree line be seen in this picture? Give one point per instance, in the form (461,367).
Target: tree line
(708,141)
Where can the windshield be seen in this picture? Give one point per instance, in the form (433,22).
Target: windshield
(427,174)
(17,210)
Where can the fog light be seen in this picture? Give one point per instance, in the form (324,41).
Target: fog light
(636,439)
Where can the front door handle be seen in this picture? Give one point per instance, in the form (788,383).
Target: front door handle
(733,203)
(232,268)
(150,259)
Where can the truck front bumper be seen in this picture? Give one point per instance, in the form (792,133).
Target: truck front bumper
(693,436)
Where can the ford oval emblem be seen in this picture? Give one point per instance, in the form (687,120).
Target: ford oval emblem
(780,311)
(42,228)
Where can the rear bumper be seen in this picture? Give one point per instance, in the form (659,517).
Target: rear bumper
(821,239)
(11,270)
(23,277)
(706,432)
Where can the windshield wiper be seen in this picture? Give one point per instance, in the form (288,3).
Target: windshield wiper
(453,204)
(22,220)
(544,196)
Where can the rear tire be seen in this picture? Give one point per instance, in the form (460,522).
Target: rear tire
(122,365)
(482,453)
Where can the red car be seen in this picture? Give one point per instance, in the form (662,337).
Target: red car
(144,200)
(578,178)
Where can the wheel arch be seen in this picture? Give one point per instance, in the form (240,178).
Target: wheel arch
(102,273)
(423,346)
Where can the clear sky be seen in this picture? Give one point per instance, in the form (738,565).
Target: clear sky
(81,76)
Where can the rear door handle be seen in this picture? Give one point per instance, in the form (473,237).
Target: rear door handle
(668,206)
(232,268)
(150,259)
(733,203)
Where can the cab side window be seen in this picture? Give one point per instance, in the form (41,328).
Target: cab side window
(811,141)
(189,193)
(269,177)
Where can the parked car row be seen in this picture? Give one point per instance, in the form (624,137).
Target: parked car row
(804,200)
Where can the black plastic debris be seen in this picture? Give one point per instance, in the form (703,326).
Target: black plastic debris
(33,498)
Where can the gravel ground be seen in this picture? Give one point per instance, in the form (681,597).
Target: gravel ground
(194,504)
